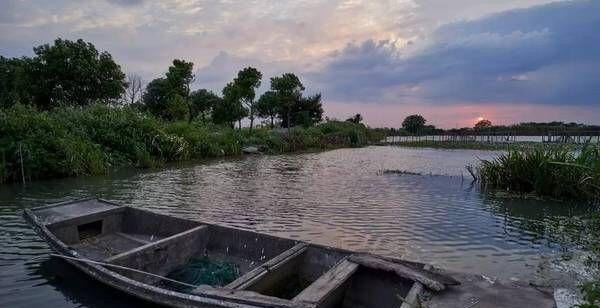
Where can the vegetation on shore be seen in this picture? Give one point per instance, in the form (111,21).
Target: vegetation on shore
(69,110)
(92,140)
(555,172)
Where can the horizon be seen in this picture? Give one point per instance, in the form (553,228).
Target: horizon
(510,62)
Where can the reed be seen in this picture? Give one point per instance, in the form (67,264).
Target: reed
(559,173)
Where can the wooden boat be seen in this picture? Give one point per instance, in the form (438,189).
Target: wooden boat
(134,250)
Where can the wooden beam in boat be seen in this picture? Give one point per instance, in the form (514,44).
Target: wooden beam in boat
(431,280)
(329,288)
(249,278)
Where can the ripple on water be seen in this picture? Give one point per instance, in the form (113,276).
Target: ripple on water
(335,198)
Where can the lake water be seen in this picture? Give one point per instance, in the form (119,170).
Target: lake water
(338,198)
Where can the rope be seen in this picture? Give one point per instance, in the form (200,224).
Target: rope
(123,268)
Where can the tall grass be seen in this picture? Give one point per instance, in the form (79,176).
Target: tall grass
(559,173)
(95,139)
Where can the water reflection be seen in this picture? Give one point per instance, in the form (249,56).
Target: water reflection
(336,198)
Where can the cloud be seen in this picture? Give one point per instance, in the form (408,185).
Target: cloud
(126,2)
(548,54)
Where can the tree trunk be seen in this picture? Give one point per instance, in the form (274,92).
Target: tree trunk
(272,122)
(240,124)
(251,120)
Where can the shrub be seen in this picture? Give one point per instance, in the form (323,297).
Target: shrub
(554,172)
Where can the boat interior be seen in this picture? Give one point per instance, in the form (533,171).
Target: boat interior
(270,266)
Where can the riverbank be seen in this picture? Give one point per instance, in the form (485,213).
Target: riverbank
(96,139)
(479,145)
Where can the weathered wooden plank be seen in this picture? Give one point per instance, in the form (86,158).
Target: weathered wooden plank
(324,288)
(250,277)
(411,299)
(431,280)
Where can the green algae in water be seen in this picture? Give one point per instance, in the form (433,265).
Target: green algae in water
(203,271)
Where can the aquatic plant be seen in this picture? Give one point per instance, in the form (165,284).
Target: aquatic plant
(559,173)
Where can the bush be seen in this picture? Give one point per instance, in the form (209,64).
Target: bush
(553,172)
(91,140)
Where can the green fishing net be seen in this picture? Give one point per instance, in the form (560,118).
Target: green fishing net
(204,271)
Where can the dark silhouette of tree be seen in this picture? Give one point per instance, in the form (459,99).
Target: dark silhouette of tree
(165,97)
(307,111)
(73,73)
(267,106)
(288,88)
(414,123)
(14,81)
(230,109)
(483,124)
(356,119)
(201,102)
(246,82)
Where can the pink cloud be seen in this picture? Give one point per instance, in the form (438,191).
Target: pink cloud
(462,115)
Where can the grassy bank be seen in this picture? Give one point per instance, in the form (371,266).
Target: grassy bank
(93,140)
(558,173)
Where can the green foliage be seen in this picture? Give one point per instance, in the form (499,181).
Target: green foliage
(176,109)
(553,172)
(14,81)
(167,97)
(230,108)
(67,73)
(414,123)
(74,73)
(201,102)
(267,106)
(591,295)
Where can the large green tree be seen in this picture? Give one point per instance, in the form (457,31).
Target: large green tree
(288,88)
(246,82)
(14,81)
(230,108)
(73,73)
(201,102)
(414,123)
(268,106)
(166,97)
(307,111)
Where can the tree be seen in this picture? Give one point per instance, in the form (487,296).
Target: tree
(179,78)
(267,106)
(74,73)
(161,94)
(201,102)
(14,81)
(307,111)
(356,119)
(176,109)
(246,82)
(483,124)
(414,123)
(230,109)
(134,90)
(288,88)
(156,96)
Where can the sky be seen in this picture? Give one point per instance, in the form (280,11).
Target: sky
(451,61)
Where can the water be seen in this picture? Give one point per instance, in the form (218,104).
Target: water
(338,198)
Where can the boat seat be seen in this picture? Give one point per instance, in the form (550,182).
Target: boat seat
(328,290)
(252,276)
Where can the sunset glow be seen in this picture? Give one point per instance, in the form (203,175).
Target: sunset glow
(457,63)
